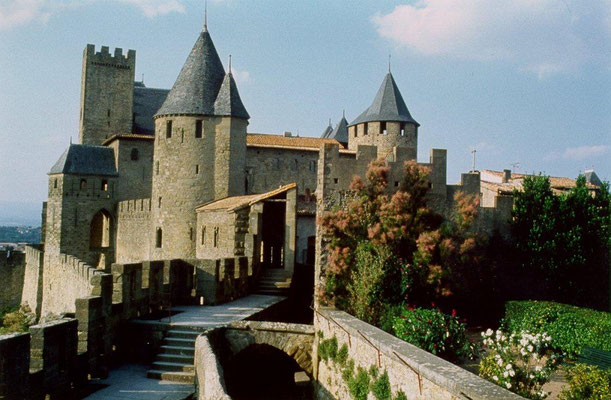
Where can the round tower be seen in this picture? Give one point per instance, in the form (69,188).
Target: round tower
(200,149)
(387,123)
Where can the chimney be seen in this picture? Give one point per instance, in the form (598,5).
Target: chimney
(287,134)
(506,175)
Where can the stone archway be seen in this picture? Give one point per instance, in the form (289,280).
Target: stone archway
(100,230)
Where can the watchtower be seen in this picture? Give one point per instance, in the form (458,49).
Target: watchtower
(387,123)
(107,94)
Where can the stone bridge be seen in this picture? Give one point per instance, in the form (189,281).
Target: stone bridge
(215,347)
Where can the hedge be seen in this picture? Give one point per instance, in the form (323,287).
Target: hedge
(570,327)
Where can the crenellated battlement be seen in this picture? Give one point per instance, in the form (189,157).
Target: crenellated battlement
(80,268)
(134,208)
(105,58)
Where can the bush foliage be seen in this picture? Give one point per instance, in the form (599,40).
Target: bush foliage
(570,327)
(431,330)
(587,382)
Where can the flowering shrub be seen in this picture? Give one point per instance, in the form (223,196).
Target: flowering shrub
(587,382)
(521,362)
(433,331)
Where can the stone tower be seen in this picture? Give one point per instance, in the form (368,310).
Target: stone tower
(200,149)
(387,123)
(107,93)
(80,205)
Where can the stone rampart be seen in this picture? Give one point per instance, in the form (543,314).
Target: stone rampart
(133,222)
(31,293)
(12,270)
(65,279)
(41,362)
(417,373)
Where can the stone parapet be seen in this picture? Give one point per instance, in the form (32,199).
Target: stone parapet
(14,365)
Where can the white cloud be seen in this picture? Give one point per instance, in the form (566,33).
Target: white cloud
(543,36)
(14,13)
(240,76)
(579,153)
(153,8)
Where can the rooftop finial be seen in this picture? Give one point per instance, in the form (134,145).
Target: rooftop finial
(229,69)
(344,113)
(389,63)
(329,121)
(206,16)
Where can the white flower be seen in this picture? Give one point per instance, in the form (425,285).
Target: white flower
(500,363)
(508,366)
(508,385)
(531,376)
(512,373)
(505,374)
(495,378)
(530,347)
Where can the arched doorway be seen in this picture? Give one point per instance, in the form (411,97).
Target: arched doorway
(100,230)
(261,371)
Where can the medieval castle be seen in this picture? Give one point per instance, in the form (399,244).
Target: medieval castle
(174,175)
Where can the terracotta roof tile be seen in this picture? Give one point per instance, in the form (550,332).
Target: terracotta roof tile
(556,182)
(292,142)
(236,202)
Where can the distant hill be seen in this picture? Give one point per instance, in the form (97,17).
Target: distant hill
(17,234)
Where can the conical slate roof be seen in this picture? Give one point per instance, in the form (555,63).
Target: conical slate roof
(327,131)
(340,133)
(198,83)
(388,105)
(228,102)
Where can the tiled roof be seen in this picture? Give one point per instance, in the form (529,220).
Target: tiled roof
(127,136)
(289,142)
(557,182)
(236,202)
(147,101)
(388,105)
(198,83)
(81,159)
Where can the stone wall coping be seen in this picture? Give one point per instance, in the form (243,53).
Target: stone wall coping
(302,329)
(13,335)
(456,380)
(209,371)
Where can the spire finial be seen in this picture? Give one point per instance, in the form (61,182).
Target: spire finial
(389,63)
(229,71)
(344,113)
(206,16)
(329,121)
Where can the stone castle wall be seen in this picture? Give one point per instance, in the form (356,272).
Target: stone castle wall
(32,283)
(65,279)
(134,160)
(12,271)
(372,134)
(107,93)
(269,168)
(133,230)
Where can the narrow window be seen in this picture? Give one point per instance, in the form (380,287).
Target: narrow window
(365,129)
(312,165)
(198,128)
(296,166)
(197,169)
(203,235)
(396,183)
(335,180)
(158,238)
(383,128)
(156,167)
(216,236)
(182,135)
(108,113)
(54,183)
(83,184)
(402,129)
(168,129)
(134,154)
(104,185)
(159,202)
(191,234)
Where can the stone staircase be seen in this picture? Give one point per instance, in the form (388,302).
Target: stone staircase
(275,282)
(176,361)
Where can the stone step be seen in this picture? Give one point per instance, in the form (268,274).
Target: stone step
(273,285)
(172,376)
(173,366)
(177,341)
(272,292)
(175,358)
(185,334)
(183,350)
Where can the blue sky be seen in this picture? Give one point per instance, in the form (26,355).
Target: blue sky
(522,81)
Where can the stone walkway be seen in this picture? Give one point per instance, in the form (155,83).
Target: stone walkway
(130,381)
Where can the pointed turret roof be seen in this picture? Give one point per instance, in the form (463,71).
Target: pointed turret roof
(340,133)
(228,102)
(388,105)
(198,83)
(327,131)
